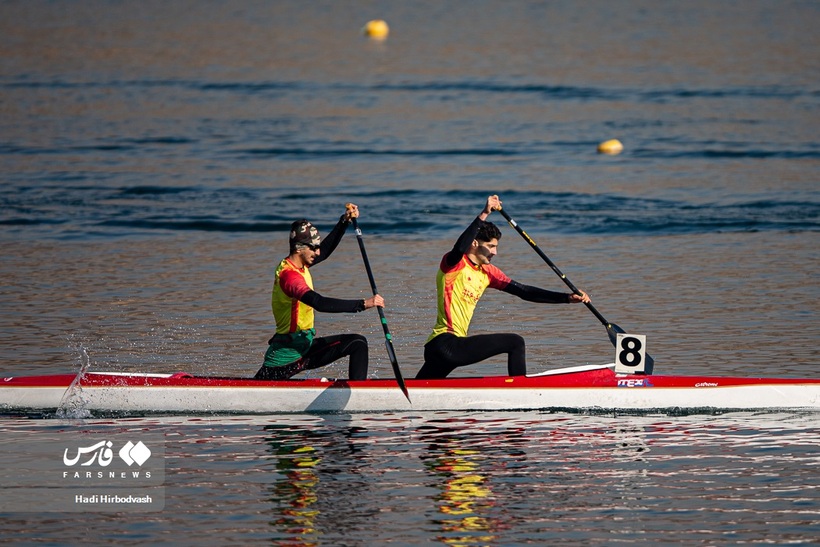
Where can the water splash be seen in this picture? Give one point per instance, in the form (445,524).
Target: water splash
(73,405)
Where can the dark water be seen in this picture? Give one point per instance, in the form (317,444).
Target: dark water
(465,479)
(153,155)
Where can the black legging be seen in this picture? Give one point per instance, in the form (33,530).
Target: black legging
(324,351)
(446,352)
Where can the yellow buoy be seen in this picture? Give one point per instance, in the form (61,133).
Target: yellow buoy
(376,29)
(612,146)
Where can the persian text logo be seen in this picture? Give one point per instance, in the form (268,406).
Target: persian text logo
(101,452)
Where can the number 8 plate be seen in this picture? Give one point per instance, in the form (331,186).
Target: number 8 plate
(630,353)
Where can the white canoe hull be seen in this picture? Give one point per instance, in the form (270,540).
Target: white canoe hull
(580,388)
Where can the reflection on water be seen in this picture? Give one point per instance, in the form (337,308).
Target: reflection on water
(477,478)
(455,460)
(319,480)
(295,493)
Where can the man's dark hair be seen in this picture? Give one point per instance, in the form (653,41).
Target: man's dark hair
(487,231)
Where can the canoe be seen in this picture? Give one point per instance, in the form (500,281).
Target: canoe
(585,388)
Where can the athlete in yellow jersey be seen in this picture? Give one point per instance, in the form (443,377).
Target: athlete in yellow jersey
(294,347)
(464,273)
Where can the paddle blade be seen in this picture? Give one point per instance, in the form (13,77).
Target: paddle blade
(649,365)
(403,387)
(396,370)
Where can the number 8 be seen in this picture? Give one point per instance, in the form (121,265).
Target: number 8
(630,354)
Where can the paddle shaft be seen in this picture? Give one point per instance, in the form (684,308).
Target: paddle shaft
(612,329)
(551,264)
(388,338)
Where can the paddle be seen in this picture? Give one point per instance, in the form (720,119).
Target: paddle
(388,338)
(612,329)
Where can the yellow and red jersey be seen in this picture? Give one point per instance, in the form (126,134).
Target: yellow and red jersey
(459,289)
(290,284)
